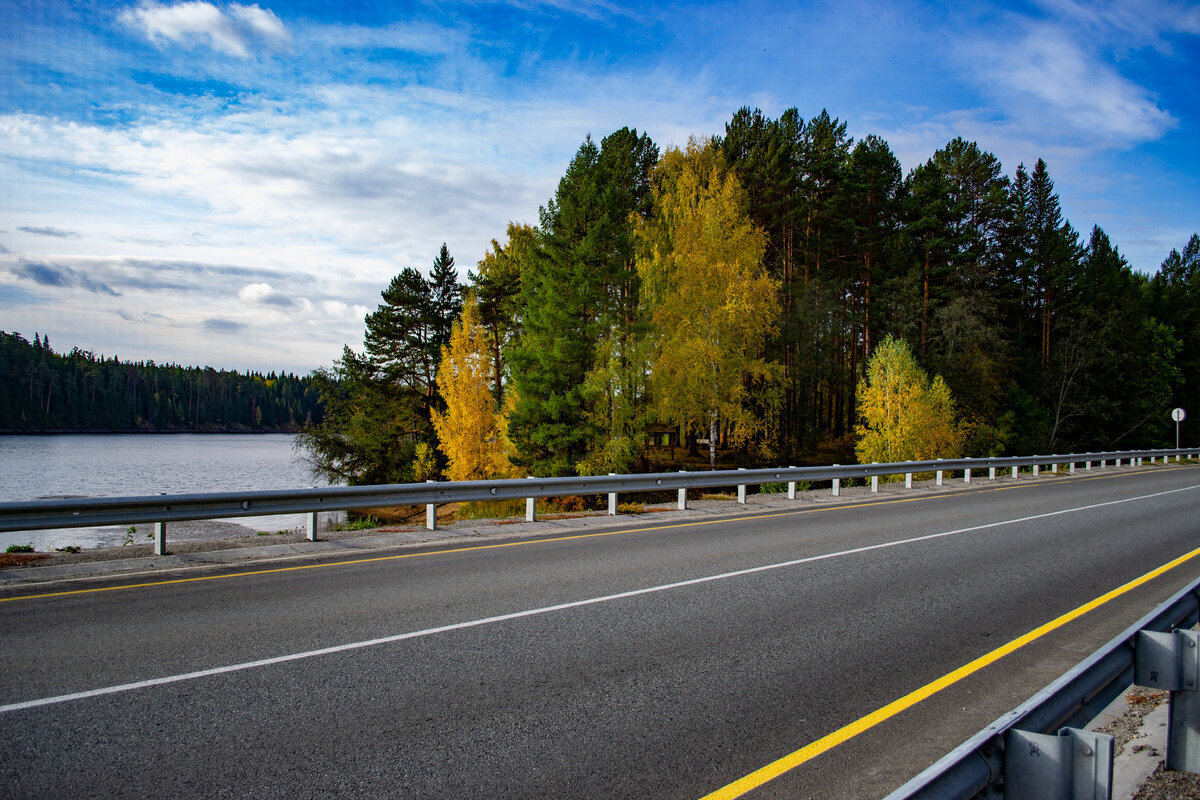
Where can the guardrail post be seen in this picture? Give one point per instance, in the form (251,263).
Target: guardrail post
(791,488)
(311,526)
(741,489)
(1035,470)
(939,477)
(531,504)
(160,535)
(908,480)
(837,485)
(1042,766)
(160,538)
(1118,462)
(612,501)
(682,502)
(431,514)
(1171,661)
(1015,469)
(1071,469)
(874,480)
(991,473)
(967,475)
(1054,467)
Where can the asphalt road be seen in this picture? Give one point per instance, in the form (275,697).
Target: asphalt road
(665,660)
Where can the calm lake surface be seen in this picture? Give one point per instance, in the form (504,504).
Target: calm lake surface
(99,465)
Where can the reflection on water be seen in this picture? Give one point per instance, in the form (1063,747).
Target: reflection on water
(114,465)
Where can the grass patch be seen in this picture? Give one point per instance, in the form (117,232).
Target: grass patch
(494,509)
(631,508)
(71,548)
(359,524)
(19,548)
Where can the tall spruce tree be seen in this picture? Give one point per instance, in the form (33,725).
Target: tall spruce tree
(577,290)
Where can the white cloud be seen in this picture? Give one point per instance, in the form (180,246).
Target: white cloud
(1049,86)
(261,21)
(199,21)
(263,294)
(1129,23)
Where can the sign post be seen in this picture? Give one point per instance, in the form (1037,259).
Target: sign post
(1177,415)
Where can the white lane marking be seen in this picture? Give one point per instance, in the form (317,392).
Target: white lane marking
(342,648)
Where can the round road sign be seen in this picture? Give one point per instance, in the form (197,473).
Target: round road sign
(1178,415)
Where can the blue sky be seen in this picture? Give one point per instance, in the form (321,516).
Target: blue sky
(232,184)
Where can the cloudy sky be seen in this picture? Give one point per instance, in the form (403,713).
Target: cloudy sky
(233,184)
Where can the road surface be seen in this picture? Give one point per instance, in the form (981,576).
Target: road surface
(665,659)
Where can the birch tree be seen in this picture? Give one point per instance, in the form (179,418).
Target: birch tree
(710,302)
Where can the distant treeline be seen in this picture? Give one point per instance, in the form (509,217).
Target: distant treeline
(41,390)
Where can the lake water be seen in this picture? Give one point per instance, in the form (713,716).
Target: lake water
(102,465)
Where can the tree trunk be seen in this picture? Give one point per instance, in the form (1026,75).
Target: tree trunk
(712,439)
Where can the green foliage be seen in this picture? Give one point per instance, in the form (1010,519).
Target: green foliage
(378,404)
(578,300)
(41,390)
(19,548)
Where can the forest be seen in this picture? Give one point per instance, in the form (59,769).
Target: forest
(44,391)
(721,302)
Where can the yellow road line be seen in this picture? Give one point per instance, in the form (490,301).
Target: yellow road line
(827,743)
(527,542)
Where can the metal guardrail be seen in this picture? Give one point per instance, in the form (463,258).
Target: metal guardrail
(163,509)
(984,765)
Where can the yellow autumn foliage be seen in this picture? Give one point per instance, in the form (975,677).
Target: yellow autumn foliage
(472,434)
(709,300)
(905,415)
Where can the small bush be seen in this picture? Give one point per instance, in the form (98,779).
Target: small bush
(630,508)
(71,548)
(19,548)
(571,504)
(772,488)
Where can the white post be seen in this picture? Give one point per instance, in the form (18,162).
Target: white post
(612,501)
(312,526)
(431,514)
(682,503)
(741,489)
(791,488)
(530,505)
(1035,470)
(1014,470)
(1072,468)
(967,475)
(874,480)
(837,485)
(160,538)
(1054,468)
(908,480)
(1087,465)
(939,477)
(991,473)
